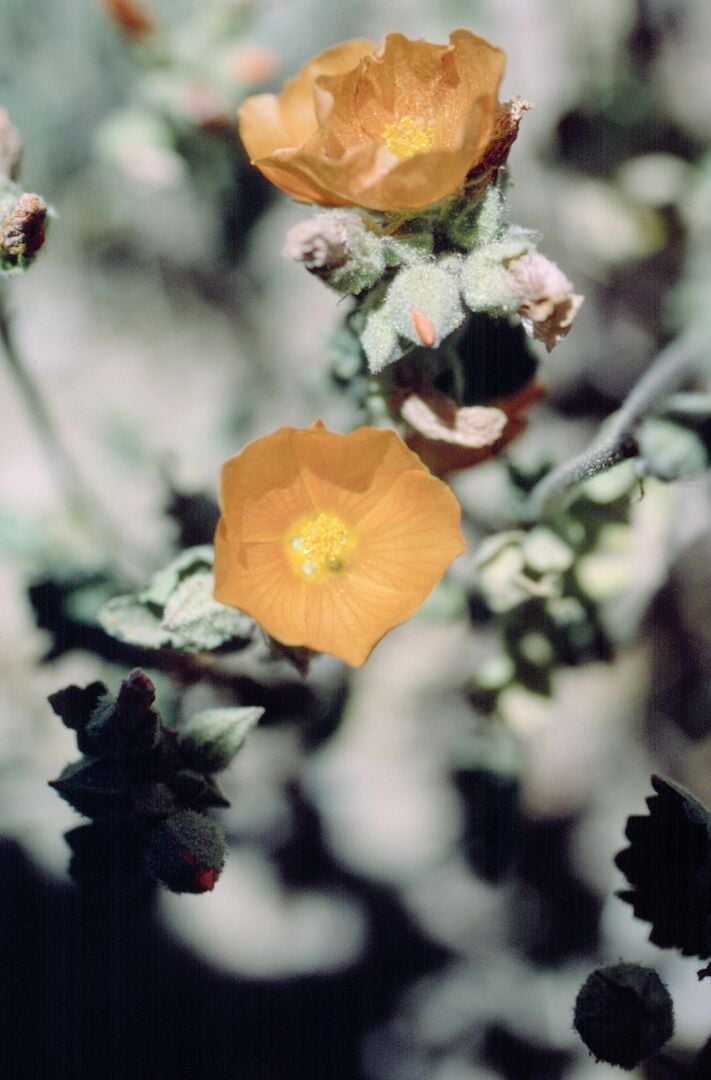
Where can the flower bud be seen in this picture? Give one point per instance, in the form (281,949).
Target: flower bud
(128,725)
(92,786)
(186,852)
(624,1014)
(546,304)
(486,285)
(22,229)
(338,248)
(424,300)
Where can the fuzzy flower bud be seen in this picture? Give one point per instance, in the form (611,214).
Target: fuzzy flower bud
(22,229)
(320,244)
(547,303)
(624,1014)
(339,249)
(186,852)
(10,147)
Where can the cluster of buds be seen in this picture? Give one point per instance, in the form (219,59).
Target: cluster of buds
(413,296)
(404,144)
(534,580)
(23,215)
(147,784)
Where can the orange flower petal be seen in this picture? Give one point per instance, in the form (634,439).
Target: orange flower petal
(268,122)
(404,524)
(392,128)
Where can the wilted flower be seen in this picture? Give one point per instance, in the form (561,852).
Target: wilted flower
(320,244)
(328,540)
(449,437)
(397,126)
(547,303)
(437,417)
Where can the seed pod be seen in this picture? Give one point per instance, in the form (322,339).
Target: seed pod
(624,1014)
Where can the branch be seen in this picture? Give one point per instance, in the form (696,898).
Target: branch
(672,367)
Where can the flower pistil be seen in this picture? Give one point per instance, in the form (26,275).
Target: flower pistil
(318,546)
(408,136)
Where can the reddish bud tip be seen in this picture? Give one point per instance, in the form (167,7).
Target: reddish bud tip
(204,879)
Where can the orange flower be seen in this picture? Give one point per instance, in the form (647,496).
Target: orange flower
(393,127)
(328,540)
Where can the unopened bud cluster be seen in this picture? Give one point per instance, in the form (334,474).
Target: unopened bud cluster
(23,215)
(536,582)
(147,783)
(416,280)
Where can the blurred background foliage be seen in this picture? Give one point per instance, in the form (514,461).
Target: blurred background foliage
(414,890)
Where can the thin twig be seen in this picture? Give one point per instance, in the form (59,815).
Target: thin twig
(57,458)
(671,368)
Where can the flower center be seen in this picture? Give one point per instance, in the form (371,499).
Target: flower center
(317,545)
(408,136)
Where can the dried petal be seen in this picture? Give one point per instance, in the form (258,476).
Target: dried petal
(548,304)
(439,418)
(22,230)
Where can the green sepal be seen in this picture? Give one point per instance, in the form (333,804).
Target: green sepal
(430,289)
(74,705)
(211,739)
(379,340)
(485,283)
(297,655)
(472,224)
(94,787)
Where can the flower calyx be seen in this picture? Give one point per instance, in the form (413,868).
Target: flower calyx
(142,778)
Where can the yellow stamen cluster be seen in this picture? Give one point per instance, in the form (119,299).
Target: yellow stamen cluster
(317,546)
(408,136)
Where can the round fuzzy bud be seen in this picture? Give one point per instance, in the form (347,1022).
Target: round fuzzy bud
(22,230)
(624,1014)
(186,852)
(339,248)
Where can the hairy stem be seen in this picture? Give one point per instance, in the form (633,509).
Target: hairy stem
(672,367)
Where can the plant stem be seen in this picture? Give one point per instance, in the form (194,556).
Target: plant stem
(672,367)
(68,477)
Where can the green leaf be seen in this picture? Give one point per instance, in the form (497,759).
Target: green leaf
(177,610)
(670,451)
